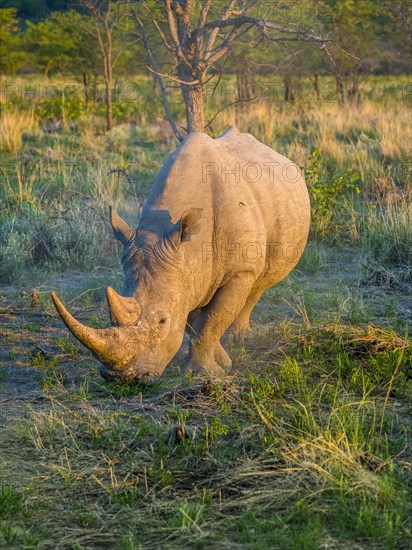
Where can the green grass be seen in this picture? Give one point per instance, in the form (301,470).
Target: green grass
(307,447)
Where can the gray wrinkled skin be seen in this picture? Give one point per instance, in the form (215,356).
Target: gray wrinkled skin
(226,219)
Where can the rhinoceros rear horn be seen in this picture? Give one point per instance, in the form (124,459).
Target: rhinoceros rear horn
(124,311)
(121,230)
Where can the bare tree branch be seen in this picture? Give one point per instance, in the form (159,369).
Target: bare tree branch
(227,43)
(156,24)
(173,30)
(175,79)
(203,15)
(197,44)
(236,102)
(259,23)
(215,32)
(159,79)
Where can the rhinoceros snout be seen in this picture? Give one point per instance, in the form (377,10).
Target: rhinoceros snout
(127,375)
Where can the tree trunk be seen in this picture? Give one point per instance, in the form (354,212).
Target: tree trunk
(289,89)
(108,76)
(246,89)
(95,88)
(353,88)
(195,114)
(340,89)
(63,109)
(85,91)
(316,86)
(193,98)
(109,108)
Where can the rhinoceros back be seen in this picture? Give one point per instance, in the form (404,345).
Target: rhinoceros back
(262,205)
(254,201)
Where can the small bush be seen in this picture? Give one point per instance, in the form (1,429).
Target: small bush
(330,193)
(56,108)
(118,137)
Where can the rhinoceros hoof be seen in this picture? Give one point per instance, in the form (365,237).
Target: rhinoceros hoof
(210,368)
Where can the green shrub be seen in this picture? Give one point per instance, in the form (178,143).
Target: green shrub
(118,137)
(330,192)
(124,110)
(56,108)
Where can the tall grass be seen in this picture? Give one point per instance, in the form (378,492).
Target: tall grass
(387,232)
(304,448)
(53,170)
(31,241)
(13,125)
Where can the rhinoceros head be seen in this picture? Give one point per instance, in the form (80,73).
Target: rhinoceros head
(149,318)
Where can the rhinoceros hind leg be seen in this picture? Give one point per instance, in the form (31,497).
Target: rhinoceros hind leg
(240,326)
(191,319)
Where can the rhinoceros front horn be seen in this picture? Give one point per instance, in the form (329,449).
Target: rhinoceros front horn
(109,345)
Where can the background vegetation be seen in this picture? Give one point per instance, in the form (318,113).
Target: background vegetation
(307,444)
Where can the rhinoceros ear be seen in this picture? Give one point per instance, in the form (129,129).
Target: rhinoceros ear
(188,225)
(121,230)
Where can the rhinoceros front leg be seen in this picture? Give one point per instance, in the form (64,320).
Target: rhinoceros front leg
(206,351)
(221,356)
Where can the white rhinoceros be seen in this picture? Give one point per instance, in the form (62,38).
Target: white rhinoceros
(226,219)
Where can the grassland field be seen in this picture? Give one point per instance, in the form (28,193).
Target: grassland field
(306,443)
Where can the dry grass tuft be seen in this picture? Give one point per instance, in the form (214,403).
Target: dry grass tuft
(388,279)
(13,125)
(368,340)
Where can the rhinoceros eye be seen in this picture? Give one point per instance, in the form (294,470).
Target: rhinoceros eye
(160,318)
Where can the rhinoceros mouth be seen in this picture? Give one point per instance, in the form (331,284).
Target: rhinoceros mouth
(128,375)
